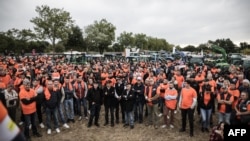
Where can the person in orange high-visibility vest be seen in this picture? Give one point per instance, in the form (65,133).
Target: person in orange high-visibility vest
(9,131)
(151,97)
(28,98)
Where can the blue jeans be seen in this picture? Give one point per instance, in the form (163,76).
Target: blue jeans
(61,113)
(138,110)
(82,102)
(69,108)
(51,112)
(205,115)
(129,117)
(224,117)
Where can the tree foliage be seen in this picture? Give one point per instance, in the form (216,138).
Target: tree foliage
(52,23)
(100,35)
(126,39)
(227,44)
(12,43)
(141,41)
(23,35)
(190,48)
(75,39)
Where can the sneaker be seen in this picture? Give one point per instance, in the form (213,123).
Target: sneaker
(41,125)
(80,118)
(171,126)
(72,120)
(57,130)
(164,126)
(160,115)
(20,123)
(49,131)
(65,125)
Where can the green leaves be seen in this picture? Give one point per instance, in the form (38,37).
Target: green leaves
(100,34)
(53,24)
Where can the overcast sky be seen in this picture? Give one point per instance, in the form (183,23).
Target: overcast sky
(180,22)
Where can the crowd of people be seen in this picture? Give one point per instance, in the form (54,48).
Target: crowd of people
(49,89)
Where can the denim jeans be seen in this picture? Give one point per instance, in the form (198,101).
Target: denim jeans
(224,117)
(49,113)
(119,107)
(82,102)
(129,117)
(29,119)
(61,113)
(69,108)
(138,110)
(205,115)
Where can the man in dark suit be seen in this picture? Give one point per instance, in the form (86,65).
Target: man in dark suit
(128,98)
(95,97)
(109,102)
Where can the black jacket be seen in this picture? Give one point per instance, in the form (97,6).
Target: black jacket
(109,96)
(128,100)
(210,103)
(54,99)
(139,92)
(95,95)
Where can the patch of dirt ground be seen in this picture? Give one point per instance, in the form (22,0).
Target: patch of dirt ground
(79,132)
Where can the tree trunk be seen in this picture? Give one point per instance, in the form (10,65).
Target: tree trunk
(101,49)
(53,44)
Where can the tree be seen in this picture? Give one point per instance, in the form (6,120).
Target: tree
(22,35)
(75,39)
(100,34)
(53,24)
(203,47)
(157,44)
(141,41)
(126,39)
(244,45)
(190,48)
(117,47)
(227,44)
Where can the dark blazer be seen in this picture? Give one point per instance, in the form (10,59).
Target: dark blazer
(128,100)
(109,96)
